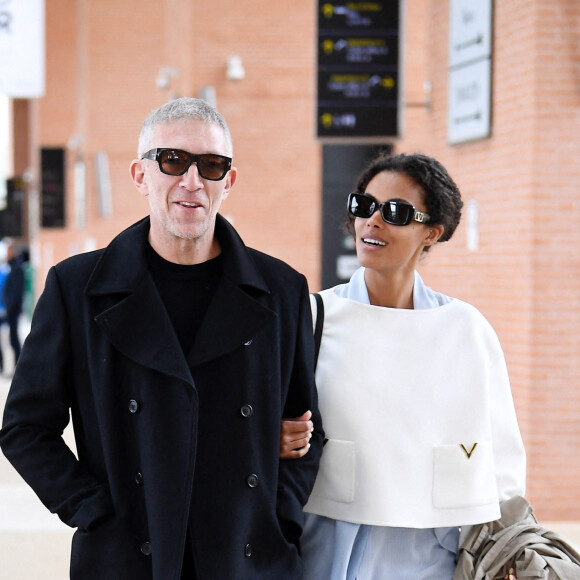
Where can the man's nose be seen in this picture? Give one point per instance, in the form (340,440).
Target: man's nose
(191,179)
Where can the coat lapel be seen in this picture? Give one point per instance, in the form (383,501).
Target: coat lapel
(134,318)
(231,321)
(140,328)
(131,312)
(236,312)
(129,309)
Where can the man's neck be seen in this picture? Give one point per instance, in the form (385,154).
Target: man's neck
(186,251)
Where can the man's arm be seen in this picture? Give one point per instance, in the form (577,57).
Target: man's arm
(297,476)
(37,412)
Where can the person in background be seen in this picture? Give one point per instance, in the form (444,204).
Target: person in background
(4,269)
(13,296)
(176,350)
(414,393)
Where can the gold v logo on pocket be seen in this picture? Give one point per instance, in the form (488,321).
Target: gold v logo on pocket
(470,452)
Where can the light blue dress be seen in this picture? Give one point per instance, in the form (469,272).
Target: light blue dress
(338,550)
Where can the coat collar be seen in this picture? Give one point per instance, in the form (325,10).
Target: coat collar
(135,319)
(124,263)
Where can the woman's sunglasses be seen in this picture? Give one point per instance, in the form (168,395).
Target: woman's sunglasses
(177,162)
(396,213)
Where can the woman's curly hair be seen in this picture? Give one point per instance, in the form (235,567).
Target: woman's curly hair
(442,197)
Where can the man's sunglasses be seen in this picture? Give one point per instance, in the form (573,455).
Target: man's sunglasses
(177,162)
(397,213)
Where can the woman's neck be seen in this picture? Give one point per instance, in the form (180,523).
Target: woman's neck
(390,289)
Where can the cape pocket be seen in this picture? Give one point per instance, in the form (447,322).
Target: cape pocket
(463,475)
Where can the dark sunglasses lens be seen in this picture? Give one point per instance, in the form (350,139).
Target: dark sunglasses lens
(174,162)
(397,213)
(361,205)
(212,166)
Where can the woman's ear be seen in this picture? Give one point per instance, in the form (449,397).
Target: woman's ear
(433,234)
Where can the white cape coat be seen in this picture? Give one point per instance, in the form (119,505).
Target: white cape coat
(420,420)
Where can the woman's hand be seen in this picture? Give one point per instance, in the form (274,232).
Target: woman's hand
(295,436)
(511,575)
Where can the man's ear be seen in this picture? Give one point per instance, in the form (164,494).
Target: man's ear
(137,170)
(230,180)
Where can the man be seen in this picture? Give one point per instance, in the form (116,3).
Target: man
(177,350)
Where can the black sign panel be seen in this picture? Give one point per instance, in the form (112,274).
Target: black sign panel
(346,50)
(11,217)
(341,166)
(358,57)
(53,187)
(363,16)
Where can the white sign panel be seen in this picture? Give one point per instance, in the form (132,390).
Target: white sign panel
(470,30)
(22,60)
(469,102)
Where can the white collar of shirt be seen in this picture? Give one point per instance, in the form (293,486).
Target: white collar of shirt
(423,297)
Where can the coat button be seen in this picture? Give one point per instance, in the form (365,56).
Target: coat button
(133,406)
(146,549)
(252,480)
(246,410)
(248,550)
(139,478)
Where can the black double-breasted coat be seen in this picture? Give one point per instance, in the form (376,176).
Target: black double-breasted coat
(102,349)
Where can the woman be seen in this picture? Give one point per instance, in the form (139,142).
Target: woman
(414,394)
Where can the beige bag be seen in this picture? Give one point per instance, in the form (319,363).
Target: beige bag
(487,551)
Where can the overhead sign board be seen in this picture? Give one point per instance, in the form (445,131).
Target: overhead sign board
(22,68)
(358,59)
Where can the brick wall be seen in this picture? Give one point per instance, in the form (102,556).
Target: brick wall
(526,181)
(102,61)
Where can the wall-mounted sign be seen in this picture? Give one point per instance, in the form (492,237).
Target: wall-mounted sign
(470,31)
(52,169)
(358,60)
(22,69)
(469,102)
(469,97)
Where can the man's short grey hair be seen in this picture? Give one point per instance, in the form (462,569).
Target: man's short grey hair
(182,109)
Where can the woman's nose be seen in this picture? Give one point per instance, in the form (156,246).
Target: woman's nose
(376,220)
